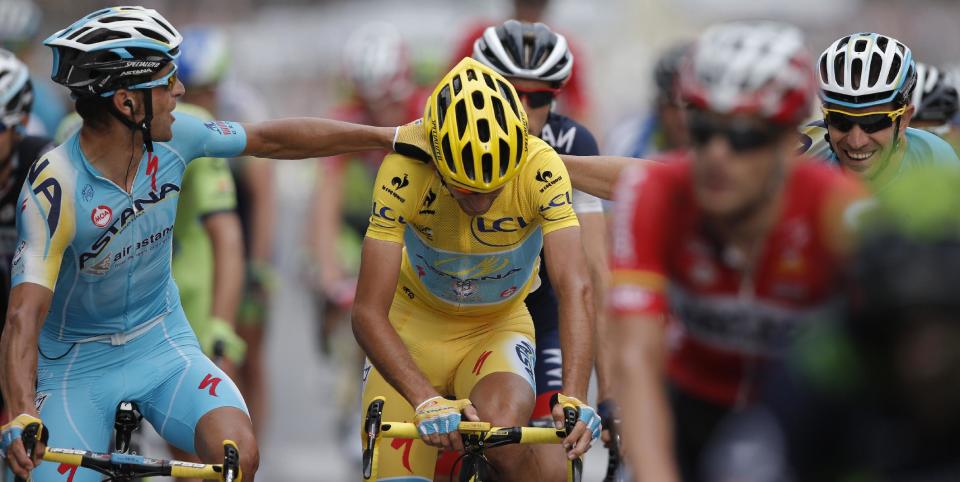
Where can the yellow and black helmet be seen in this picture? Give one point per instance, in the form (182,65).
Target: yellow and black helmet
(477,128)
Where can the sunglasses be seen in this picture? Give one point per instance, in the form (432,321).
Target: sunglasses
(537,97)
(740,135)
(869,122)
(169,81)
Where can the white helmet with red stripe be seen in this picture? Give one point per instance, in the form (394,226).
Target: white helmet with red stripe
(756,68)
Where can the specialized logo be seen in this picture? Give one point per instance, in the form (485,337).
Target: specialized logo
(39,400)
(87,193)
(210,381)
(64,468)
(17,261)
(50,189)
(153,165)
(221,127)
(406,444)
(398,183)
(527,357)
(480,361)
(101,216)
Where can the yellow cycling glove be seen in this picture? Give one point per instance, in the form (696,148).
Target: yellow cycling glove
(439,415)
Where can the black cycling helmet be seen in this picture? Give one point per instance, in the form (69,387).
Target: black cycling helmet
(526,51)
(666,73)
(935,97)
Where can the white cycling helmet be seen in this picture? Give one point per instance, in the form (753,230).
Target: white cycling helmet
(935,96)
(16,91)
(112,48)
(376,62)
(525,51)
(755,68)
(866,69)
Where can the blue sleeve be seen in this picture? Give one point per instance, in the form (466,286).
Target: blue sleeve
(585,144)
(193,138)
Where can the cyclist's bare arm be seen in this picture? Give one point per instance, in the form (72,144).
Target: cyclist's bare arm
(593,231)
(640,351)
(29,304)
(304,137)
(379,272)
(568,275)
(259,176)
(226,240)
(597,175)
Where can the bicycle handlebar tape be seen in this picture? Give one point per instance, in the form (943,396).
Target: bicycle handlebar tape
(575,467)
(231,462)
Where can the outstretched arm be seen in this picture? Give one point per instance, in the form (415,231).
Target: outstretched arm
(305,137)
(597,175)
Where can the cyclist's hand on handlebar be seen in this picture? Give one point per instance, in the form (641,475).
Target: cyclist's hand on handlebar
(411,140)
(11,445)
(438,419)
(587,429)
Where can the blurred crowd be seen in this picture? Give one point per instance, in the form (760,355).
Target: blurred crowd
(866,393)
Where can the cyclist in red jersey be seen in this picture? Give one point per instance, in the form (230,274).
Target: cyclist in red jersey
(720,253)
(573,101)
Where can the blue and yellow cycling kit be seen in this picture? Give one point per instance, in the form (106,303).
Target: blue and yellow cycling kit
(116,329)
(459,304)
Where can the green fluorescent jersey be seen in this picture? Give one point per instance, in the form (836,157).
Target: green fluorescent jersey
(207,189)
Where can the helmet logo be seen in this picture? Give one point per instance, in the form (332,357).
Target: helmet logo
(398,183)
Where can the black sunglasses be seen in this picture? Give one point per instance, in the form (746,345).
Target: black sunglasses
(740,135)
(870,122)
(537,97)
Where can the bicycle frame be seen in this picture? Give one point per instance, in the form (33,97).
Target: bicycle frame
(477,437)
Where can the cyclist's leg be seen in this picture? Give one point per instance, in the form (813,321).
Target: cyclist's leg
(549,373)
(498,377)
(191,402)
(252,376)
(77,396)
(400,460)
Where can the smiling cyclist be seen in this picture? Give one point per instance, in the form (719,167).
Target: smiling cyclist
(452,249)
(866,83)
(94,316)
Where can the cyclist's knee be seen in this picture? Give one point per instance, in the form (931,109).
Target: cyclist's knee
(503,398)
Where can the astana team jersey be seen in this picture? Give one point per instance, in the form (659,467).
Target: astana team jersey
(470,265)
(923,148)
(105,252)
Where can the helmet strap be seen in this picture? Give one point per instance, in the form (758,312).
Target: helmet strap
(144,125)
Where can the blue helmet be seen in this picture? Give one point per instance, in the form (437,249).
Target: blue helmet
(113,48)
(204,56)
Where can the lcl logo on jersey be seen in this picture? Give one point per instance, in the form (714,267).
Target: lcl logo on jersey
(101,216)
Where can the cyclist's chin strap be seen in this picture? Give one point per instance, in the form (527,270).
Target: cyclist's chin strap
(144,125)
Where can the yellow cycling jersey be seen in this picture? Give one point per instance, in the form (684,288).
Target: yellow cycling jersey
(470,265)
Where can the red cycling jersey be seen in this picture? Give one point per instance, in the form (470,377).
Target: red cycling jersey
(723,321)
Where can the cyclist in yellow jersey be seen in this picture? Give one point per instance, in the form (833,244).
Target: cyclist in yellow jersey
(451,252)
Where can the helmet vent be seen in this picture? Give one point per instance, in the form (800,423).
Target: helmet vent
(443,103)
(498,113)
(448,153)
(504,157)
(843,43)
(466,158)
(823,70)
(483,130)
(457,85)
(477,100)
(112,19)
(507,94)
(838,67)
(101,35)
(78,32)
(882,43)
(164,25)
(857,67)
(860,46)
(489,81)
(894,70)
(471,74)
(151,34)
(461,118)
(520,142)
(486,162)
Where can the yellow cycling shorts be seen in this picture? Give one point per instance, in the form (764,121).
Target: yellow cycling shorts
(454,353)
